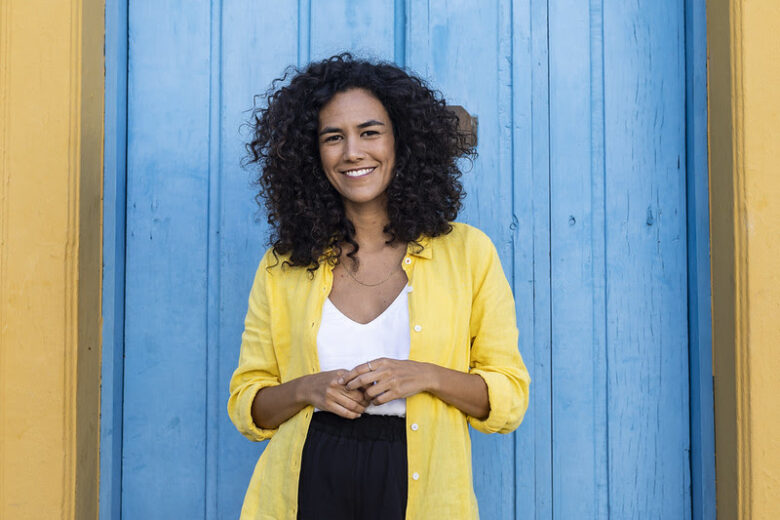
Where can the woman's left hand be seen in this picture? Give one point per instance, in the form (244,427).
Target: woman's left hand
(384,379)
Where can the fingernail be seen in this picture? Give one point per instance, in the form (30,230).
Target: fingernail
(341,380)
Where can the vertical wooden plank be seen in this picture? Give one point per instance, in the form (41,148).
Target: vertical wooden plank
(644,91)
(599,260)
(114,197)
(531,247)
(456,48)
(365,28)
(465,49)
(618,274)
(214,394)
(400,32)
(250,28)
(699,291)
(577,264)
(304,32)
(167,189)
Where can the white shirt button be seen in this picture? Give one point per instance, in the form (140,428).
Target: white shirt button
(407,260)
(417,328)
(414,427)
(416,476)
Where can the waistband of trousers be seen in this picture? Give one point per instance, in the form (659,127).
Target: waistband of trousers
(365,427)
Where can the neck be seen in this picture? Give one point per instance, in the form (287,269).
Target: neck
(369,222)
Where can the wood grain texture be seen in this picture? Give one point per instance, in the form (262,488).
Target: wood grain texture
(531,252)
(114,197)
(579,419)
(699,291)
(466,54)
(620,384)
(365,28)
(647,328)
(247,27)
(167,244)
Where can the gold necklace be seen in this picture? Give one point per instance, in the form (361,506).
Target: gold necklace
(369,284)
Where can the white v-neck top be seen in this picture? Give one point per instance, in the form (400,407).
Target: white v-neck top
(343,343)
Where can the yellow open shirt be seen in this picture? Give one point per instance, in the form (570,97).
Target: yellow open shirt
(461,316)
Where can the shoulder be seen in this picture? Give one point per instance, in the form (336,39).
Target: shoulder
(465,238)
(468,247)
(268,262)
(275,267)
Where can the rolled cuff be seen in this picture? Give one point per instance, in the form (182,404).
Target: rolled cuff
(506,412)
(240,411)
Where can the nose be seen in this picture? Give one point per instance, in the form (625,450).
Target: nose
(352,150)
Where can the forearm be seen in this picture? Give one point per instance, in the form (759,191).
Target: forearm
(466,392)
(275,404)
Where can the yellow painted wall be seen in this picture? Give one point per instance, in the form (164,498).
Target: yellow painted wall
(51,124)
(744,120)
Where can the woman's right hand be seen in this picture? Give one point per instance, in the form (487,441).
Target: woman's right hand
(323,391)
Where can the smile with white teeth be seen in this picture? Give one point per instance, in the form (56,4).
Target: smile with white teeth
(360,172)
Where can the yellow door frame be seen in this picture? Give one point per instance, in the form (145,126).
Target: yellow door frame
(51,138)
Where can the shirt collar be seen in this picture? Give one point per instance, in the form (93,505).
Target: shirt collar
(424,250)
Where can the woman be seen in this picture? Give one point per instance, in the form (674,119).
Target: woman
(377,328)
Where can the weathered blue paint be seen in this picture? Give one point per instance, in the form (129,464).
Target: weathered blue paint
(399,32)
(578,364)
(583,112)
(699,294)
(646,264)
(113,309)
(242,229)
(166,293)
(214,402)
(531,252)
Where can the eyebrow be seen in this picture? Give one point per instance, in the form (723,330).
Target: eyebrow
(370,122)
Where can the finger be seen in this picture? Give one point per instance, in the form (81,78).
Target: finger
(359,399)
(385,398)
(364,380)
(341,411)
(350,404)
(375,390)
(358,396)
(340,374)
(338,397)
(355,372)
(351,400)
(337,393)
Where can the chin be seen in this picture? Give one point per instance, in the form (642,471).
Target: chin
(356,198)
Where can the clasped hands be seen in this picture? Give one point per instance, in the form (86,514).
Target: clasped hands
(348,393)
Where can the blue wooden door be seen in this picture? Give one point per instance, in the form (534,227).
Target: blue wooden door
(580,182)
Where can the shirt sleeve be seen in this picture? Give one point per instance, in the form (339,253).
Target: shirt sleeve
(494,353)
(257,364)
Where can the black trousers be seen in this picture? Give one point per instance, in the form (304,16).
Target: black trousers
(353,469)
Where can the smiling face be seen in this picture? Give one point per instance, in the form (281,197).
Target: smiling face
(357,147)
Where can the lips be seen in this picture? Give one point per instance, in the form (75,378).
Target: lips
(358,172)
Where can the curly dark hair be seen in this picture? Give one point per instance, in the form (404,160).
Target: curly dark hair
(304,210)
